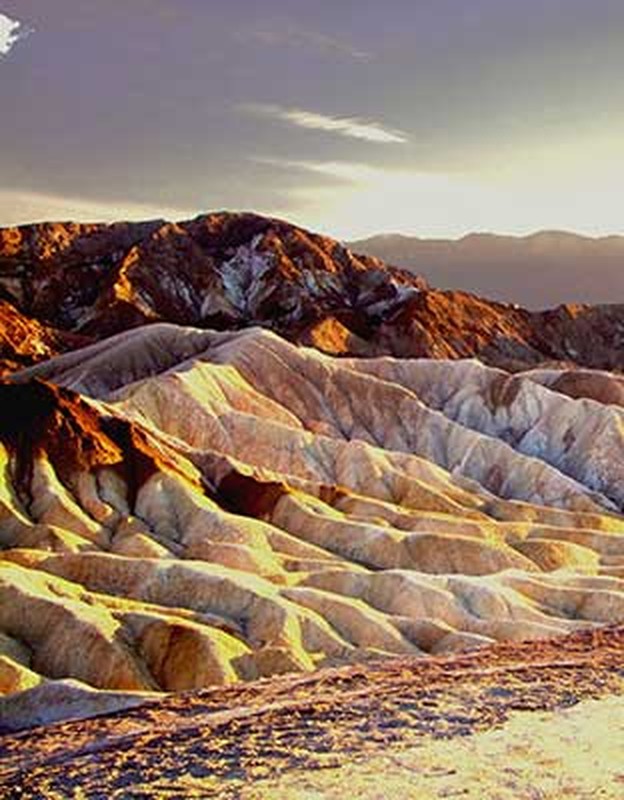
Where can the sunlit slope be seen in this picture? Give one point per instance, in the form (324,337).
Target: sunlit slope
(180,508)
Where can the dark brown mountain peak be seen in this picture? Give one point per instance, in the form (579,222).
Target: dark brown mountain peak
(227,270)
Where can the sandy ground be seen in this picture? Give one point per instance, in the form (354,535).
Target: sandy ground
(532,720)
(570,753)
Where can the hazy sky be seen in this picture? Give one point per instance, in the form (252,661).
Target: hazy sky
(431,117)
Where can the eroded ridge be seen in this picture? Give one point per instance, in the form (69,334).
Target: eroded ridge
(181,508)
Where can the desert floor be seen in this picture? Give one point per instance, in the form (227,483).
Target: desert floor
(530,720)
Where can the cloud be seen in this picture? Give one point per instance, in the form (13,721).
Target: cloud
(344,171)
(21,207)
(369,198)
(298,37)
(352,127)
(11,31)
(375,199)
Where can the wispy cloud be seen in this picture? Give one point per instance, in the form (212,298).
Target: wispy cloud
(11,31)
(298,37)
(18,207)
(347,171)
(353,127)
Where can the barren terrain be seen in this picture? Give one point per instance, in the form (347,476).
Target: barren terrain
(231,450)
(524,721)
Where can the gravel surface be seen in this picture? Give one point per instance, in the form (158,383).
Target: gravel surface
(248,740)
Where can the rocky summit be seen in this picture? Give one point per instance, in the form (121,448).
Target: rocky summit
(63,285)
(231,448)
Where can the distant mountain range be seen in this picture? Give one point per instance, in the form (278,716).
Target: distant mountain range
(537,271)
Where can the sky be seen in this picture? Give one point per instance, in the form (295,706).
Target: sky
(427,117)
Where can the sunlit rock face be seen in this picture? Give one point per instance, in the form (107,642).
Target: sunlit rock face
(218,270)
(182,507)
(24,340)
(229,271)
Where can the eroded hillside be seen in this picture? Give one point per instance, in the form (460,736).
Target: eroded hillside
(182,508)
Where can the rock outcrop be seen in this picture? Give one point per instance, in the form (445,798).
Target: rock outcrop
(223,270)
(228,271)
(25,341)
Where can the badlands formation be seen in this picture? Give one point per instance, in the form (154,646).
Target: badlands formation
(232,449)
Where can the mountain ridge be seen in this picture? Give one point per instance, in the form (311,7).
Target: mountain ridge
(539,270)
(227,271)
